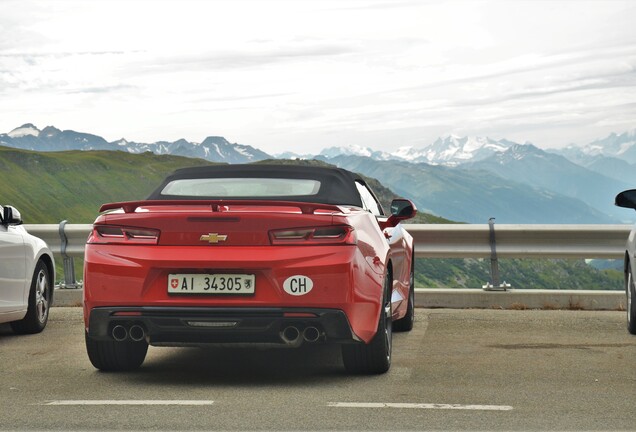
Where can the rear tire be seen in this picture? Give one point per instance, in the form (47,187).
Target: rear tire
(374,357)
(40,296)
(113,356)
(630,291)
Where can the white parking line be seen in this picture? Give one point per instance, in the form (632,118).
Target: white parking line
(128,402)
(420,406)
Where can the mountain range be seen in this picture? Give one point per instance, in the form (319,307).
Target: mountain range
(213,148)
(555,173)
(468,179)
(473,196)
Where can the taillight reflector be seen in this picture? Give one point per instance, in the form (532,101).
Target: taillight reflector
(299,315)
(328,235)
(127,314)
(110,234)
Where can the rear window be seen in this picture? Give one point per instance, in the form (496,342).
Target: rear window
(241,187)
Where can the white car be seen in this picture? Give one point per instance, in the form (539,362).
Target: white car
(627,199)
(27,275)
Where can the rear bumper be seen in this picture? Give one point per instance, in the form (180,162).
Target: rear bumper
(176,326)
(117,276)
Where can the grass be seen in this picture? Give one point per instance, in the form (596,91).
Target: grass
(72,185)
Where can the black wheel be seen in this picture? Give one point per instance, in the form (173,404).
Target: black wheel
(374,357)
(630,290)
(40,296)
(116,356)
(406,323)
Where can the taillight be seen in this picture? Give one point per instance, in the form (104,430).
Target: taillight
(329,235)
(110,234)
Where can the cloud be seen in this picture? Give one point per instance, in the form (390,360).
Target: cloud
(240,59)
(23,55)
(26,72)
(577,61)
(232,98)
(374,5)
(618,80)
(100,90)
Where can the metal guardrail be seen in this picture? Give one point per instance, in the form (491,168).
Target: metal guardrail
(76,235)
(438,241)
(66,241)
(520,241)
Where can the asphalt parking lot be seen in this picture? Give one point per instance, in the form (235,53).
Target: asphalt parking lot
(457,370)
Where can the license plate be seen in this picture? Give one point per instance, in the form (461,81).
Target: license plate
(217,283)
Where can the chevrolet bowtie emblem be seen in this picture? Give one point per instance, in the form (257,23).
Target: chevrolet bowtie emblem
(213,238)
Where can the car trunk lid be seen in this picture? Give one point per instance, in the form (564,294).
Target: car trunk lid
(213,223)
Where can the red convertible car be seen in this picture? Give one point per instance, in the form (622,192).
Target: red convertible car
(265,254)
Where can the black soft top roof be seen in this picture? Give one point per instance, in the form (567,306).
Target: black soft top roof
(337,186)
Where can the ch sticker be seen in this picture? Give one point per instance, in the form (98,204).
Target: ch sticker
(298,285)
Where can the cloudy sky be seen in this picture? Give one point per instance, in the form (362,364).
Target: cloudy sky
(304,75)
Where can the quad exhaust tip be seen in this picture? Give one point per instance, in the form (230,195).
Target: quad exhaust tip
(292,335)
(119,333)
(311,334)
(136,333)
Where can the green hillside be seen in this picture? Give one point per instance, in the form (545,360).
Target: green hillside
(520,273)
(72,185)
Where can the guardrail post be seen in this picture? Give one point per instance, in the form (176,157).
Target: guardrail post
(494,284)
(69,264)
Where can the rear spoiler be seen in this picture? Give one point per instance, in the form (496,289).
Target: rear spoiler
(218,205)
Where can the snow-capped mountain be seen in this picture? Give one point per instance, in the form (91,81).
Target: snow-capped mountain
(293,155)
(24,130)
(619,146)
(450,150)
(213,148)
(613,156)
(453,150)
(356,150)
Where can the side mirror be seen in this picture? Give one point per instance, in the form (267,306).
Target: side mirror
(626,199)
(11,216)
(401,209)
